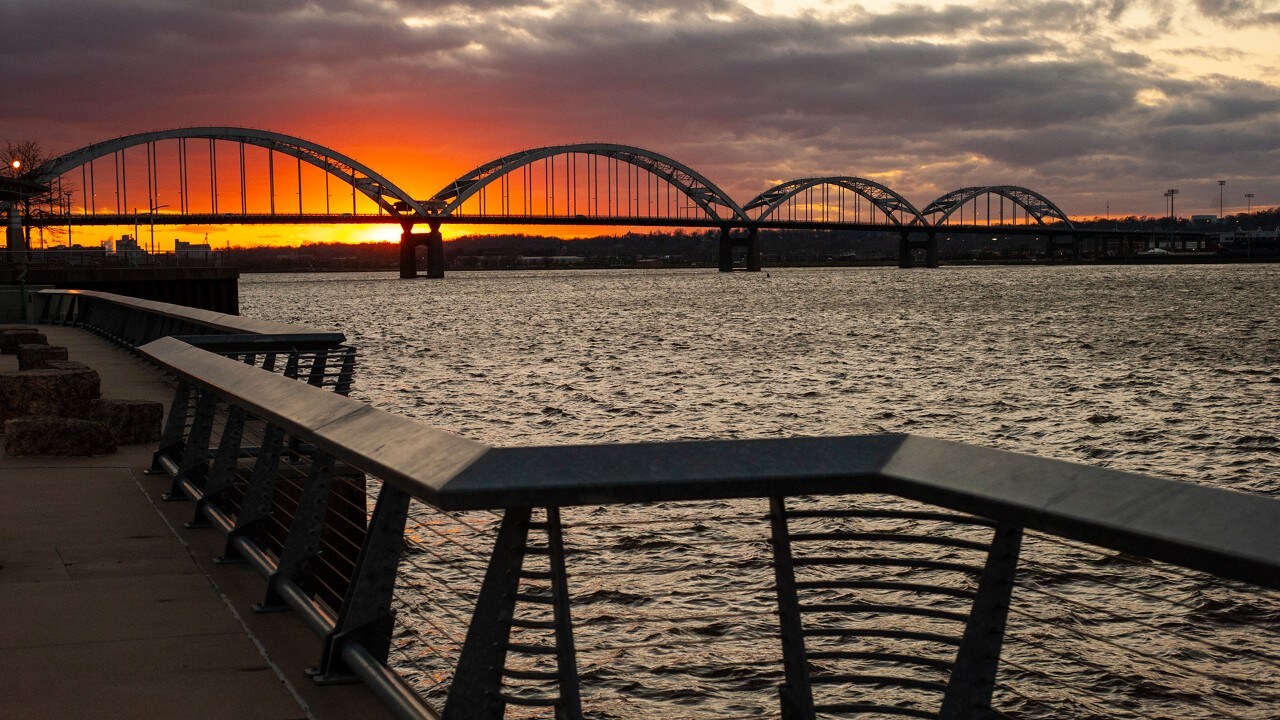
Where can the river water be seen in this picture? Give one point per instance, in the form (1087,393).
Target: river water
(1172,371)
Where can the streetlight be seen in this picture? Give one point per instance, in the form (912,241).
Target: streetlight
(1172,215)
(1221,185)
(16,165)
(1248,198)
(151,214)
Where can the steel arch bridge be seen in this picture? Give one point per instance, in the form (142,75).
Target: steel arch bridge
(1034,205)
(385,194)
(896,209)
(621,174)
(571,184)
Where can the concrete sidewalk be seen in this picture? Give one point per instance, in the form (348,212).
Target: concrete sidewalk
(110,607)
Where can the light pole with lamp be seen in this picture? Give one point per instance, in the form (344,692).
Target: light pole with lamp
(1221,184)
(1248,198)
(151,215)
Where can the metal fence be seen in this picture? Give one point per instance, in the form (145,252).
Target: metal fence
(874,576)
(316,357)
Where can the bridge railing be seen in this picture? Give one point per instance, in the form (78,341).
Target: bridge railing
(317,357)
(801,578)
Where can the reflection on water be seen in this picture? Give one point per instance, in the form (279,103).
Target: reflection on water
(1171,371)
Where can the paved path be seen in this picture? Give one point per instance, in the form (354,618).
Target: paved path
(109,607)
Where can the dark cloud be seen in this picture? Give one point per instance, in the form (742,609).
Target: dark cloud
(1058,95)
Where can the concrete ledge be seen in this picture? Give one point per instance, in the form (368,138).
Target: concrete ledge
(56,436)
(130,422)
(64,390)
(32,356)
(11,339)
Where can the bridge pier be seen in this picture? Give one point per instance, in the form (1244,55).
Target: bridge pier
(1070,243)
(409,242)
(906,245)
(727,244)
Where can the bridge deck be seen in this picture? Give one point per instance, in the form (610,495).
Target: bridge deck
(111,606)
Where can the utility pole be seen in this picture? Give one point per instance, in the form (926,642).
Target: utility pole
(1172,213)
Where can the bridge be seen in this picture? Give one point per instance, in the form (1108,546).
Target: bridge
(231,175)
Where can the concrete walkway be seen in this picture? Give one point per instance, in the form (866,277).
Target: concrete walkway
(109,607)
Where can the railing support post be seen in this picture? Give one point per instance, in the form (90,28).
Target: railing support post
(477,680)
(195,453)
(973,677)
(366,617)
(570,707)
(224,464)
(255,507)
(171,439)
(302,545)
(796,695)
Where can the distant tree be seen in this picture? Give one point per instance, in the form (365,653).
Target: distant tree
(38,208)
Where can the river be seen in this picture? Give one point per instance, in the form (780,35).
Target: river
(1172,371)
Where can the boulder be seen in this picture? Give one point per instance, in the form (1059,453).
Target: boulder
(41,435)
(131,422)
(38,357)
(11,339)
(64,390)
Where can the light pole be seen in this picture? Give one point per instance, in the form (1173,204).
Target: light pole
(151,214)
(1172,213)
(1221,184)
(1248,198)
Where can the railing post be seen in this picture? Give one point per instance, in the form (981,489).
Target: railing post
(346,371)
(796,695)
(316,375)
(477,679)
(302,545)
(366,617)
(195,454)
(222,474)
(171,440)
(973,676)
(570,707)
(255,506)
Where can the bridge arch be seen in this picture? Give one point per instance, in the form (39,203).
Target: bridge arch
(386,194)
(702,192)
(1033,203)
(893,205)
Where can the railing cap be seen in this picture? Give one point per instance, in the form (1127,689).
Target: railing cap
(1220,531)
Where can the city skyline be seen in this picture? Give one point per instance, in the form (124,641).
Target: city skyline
(1102,106)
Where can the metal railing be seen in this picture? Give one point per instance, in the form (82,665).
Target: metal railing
(316,357)
(811,577)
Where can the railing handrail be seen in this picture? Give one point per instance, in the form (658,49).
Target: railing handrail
(222,322)
(1222,532)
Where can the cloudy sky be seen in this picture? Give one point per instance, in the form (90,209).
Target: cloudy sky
(1092,102)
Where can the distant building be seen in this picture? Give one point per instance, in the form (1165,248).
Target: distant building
(192,251)
(127,245)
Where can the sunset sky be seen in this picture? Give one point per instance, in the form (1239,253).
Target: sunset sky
(1089,102)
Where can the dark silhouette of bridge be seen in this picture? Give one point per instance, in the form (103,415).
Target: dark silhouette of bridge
(230,175)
